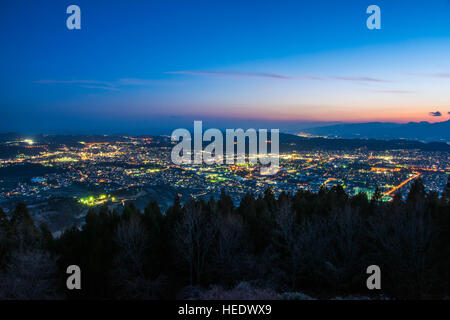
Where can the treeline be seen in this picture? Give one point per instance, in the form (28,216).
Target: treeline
(294,246)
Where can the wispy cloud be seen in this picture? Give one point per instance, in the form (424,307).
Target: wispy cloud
(115,85)
(360,79)
(230,74)
(311,77)
(99,87)
(140,82)
(74,82)
(435,114)
(276,76)
(394,91)
(440,75)
(90,84)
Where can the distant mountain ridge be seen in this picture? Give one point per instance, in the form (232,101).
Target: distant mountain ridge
(422,131)
(290,142)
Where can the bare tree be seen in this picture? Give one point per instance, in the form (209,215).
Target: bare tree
(30,275)
(343,258)
(194,237)
(314,243)
(227,255)
(287,237)
(406,241)
(132,240)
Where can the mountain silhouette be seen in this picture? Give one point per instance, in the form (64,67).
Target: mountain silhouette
(423,131)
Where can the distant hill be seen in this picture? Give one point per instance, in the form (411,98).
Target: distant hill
(422,131)
(290,142)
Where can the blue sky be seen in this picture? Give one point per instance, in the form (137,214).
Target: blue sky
(151,66)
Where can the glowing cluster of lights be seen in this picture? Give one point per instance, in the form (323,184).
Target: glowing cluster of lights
(96,201)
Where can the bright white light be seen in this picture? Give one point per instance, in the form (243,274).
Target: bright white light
(29,141)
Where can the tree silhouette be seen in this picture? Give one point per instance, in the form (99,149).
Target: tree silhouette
(320,243)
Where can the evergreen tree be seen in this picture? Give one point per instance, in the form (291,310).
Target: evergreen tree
(225,204)
(446,193)
(376,197)
(4,221)
(5,238)
(23,228)
(156,253)
(416,196)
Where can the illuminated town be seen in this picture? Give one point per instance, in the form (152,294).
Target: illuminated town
(139,169)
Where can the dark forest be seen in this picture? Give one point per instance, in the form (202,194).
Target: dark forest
(301,246)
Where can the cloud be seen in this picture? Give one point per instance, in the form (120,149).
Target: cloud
(230,74)
(435,113)
(441,75)
(140,82)
(360,79)
(274,76)
(310,77)
(115,85)
(432,75)
(94,82)
(90,84)
(395,91)
(100,87)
